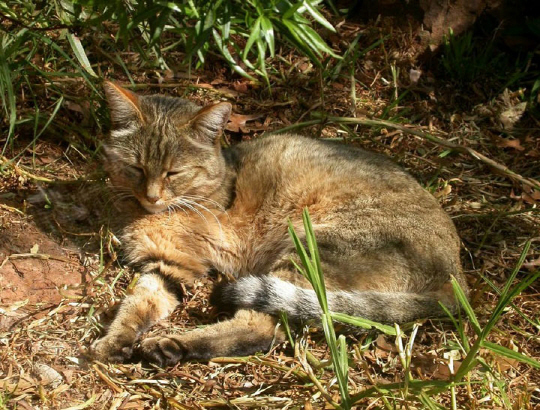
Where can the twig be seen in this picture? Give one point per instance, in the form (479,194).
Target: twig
(497,214)
(307,368)
(108,381)
(6,162)
(41,256)
(12,209)
(439,141)
(260,361)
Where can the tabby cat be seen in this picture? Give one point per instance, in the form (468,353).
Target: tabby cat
(388,250)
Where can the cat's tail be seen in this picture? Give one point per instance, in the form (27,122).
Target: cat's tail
(271,295)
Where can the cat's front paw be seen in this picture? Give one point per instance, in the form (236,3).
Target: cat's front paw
(165,351)
(112,349)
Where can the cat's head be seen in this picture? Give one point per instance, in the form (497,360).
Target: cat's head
(162,149)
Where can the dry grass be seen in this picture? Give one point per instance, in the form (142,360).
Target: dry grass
(45,326)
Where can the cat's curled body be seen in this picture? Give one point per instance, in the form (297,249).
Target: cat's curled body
(388,250)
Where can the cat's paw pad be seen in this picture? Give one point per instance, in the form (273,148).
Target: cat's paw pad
(111,349)
(165,351)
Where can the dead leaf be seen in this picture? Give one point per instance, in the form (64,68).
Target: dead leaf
(512,115)
(505,363)
(442,372)
(241,87)
(414,75)
(443,192)
(534,153)
(424,364)
(509,143)
(19,386)
(68,375)
(532,265)
(70,105)
(383,348)
(237,122)
(205,85)
(531,197)
(24,405)
(228,93)
(47,375)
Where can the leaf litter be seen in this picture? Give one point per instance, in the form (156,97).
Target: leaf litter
(52,308)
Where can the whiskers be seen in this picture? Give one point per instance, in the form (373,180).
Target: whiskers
(192,203)
(120,194)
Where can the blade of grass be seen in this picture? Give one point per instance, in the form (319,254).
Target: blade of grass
(363,323)
(507,295)
(319,18)
(464,302)
(460,328)
(80,54)
(504,351)
(313,271)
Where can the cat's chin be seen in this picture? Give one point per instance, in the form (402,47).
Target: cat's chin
(153,208)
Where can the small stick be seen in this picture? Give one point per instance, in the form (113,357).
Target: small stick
(439,141)
(41,256)
(6,162)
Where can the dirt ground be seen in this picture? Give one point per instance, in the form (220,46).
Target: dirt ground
(61,273)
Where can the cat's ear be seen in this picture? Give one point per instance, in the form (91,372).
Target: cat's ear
(210,121)
(124,106)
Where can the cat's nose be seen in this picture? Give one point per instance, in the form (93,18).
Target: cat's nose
(152,199)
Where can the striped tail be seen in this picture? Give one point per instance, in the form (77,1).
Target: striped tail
(271,295)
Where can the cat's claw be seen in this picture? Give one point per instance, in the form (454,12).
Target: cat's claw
(111,349)
(162,350)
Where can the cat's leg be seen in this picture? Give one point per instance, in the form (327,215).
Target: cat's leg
(169,250)
(150,302)
(246,333)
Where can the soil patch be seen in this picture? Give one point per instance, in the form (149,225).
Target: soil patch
(35,268)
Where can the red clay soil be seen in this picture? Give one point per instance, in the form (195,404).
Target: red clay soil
(33,267)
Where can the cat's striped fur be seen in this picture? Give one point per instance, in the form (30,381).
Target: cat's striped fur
(387,248)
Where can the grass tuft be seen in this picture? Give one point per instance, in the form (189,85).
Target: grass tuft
(409,390)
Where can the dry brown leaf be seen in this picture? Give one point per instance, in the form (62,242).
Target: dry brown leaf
(509,143)
(531,197)
(237,122)
(17,387)
(205,85)
(505,363)
(241,87)
(424,364)
(442,372)
(444,192)
(383,348)
(24,405)
(47,375)
(532,265)
(384,345)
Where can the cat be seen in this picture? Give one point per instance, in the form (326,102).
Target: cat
(388,250)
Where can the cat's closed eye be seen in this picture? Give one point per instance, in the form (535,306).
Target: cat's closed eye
(170,174)
(135,170)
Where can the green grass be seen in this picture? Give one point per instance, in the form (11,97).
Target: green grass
(4,399)
(53,56)
(47,45)
(468,60)
(410,390)
(464,59)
